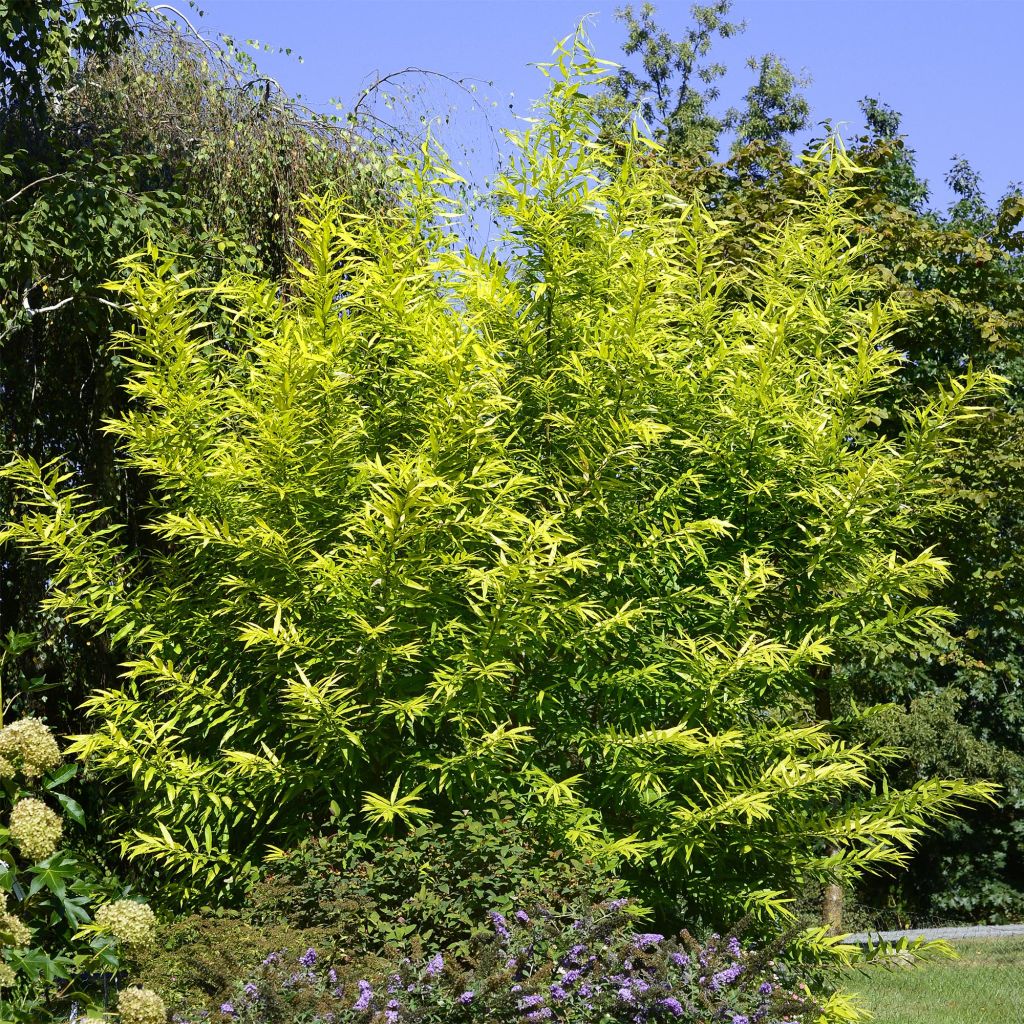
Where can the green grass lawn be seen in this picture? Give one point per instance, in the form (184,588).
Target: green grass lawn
(985,986)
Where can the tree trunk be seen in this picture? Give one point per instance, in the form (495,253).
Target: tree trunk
(832,908)
(832,897)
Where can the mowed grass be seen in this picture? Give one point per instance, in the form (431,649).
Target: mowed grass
(985,986)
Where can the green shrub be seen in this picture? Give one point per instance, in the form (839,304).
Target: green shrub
(437,883)
(354,896)
(588,523)
(577,968)
(198,958)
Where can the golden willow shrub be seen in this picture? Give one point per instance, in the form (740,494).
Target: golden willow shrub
(585,519)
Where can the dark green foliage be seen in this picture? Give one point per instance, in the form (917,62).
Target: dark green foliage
(964,274)
(972,870)
(437,882)
(41,43)
(351,895)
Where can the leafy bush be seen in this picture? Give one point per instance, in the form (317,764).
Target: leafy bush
(437,882)
(964,873)
(589,523)
(579,969)
(355,896)
(63,931)
(198,958)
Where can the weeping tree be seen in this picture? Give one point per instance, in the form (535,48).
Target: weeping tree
(587,519)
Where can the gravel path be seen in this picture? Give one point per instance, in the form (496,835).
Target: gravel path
(984,931)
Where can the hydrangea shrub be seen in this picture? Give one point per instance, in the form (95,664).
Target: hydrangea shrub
(64,936)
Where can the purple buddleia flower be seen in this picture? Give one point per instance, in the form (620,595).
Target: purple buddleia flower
(646,939)
(466,998)
(528,1001)
(726,977)
(365,995)
(435,965)
(332,976)
(522,917)
(271,958)
(625,994)
(558,993)
(500,924)
(735,949)
(251,991)
(617,904)
(542,1014)
(740,1018)
(672,1005)
(308,958)
(766,988)
(679,959)
(228,1009)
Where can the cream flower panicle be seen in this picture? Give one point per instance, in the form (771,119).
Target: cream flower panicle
(132,924)
(141,1006)
(29,745)
(34,828)
(14,932)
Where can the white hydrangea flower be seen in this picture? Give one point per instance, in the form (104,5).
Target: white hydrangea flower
(141,1006)
(35,829)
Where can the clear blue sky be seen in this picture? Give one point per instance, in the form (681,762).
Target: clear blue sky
(954,68)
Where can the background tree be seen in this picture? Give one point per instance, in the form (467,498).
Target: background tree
(964,274)
(961,274)
(675,88)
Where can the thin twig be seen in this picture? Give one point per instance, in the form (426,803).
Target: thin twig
(381,79)
(32,184)
(174,10)
(36,310)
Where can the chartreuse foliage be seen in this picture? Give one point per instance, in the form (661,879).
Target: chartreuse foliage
(585,521)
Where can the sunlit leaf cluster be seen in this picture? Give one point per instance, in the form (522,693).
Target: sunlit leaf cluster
(585,519)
